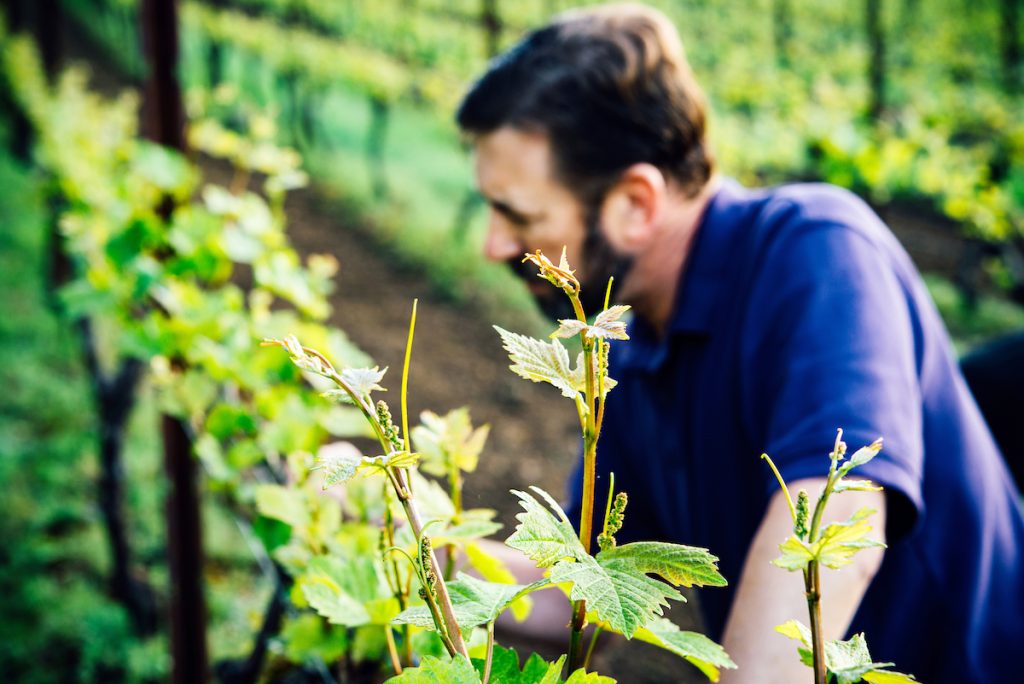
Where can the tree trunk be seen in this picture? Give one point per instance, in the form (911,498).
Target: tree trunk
(115,399)
(165,124)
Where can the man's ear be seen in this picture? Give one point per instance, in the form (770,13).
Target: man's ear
(632,208)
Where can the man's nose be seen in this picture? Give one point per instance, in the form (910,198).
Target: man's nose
(501,243)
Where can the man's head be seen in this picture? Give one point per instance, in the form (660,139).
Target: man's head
(580,130)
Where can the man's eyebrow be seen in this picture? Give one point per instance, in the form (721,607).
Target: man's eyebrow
(508,210)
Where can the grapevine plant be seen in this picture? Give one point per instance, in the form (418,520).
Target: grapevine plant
(163,290)
(619,588)
(812,546)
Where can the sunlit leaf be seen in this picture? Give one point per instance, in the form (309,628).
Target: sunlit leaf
(540,361)
(505,668)
(795,555)
(569,327)
(339,462)
(281,503)
(860,457)
(474,602)
(581,676)
(624,600)
(677,564)
(543,536)
(608,325)
(697,649)
(434,670)
(448,441)
(363,381)
(838,542)
(493,569)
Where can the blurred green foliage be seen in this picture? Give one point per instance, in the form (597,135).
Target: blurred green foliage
(367,91)
(53,559)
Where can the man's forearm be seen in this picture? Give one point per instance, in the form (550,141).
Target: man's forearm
(767,596)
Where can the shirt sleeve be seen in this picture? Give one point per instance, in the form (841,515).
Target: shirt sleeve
(835,349)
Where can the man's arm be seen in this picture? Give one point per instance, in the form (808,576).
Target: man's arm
(767,596)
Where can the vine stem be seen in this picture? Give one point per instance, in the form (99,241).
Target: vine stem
(490,653)
(593,643)
(392,650)
(579,608)
(444,601)
(812,583)
(443,613)
(812,575)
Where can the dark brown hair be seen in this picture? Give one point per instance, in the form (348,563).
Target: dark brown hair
(610,87)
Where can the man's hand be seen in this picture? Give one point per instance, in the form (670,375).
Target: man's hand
(767,596)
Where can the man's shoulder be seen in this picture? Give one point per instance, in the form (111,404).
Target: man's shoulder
(820,220)
(800,204)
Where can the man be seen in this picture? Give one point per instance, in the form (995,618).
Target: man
(764,320)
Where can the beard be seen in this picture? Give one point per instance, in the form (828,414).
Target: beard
(600,261)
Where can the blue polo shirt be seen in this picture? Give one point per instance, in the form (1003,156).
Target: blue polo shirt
(797,313)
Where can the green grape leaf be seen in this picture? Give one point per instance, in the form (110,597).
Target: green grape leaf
(344,421)
(835,546)
(795,555)
(327,599)
(838,542)
(625,600)
(504,665)
(431,498)
(540,361)
(305,639)
(475,523)
(347,591)
(569,327)
(581,676)
(505,668)
(675,563)
(395,459)
(860,457)
(227,420)
(363,381)
(608,325)
(794,629)
(492,569)
(165,168)
(848,661)
(856,486)
(697,649)
(433,670)
(281,503)
(272,533)
(339,461)
(474,601)
(580,380)
(543,537)
(887,677)
(538,670)
(448,441)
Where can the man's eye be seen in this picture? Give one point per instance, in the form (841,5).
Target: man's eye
(519,221)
